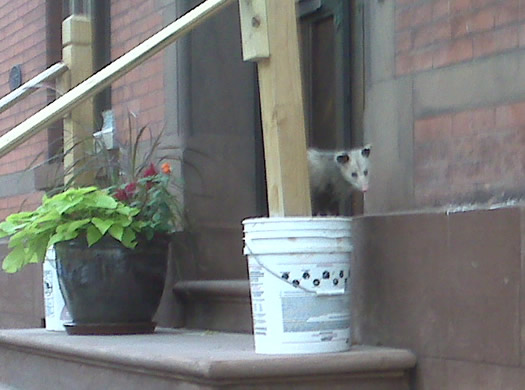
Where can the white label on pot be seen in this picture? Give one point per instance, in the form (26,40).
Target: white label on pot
(55,308)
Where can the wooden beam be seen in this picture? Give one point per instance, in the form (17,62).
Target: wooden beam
(254,30)
(32,85)
(109,74)
(79,125)
(283,114)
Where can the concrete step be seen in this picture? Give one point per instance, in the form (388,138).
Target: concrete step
(187,360)
(221,305)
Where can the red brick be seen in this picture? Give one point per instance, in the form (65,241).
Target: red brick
(459,26)
(413,62)
(401,3)
(467,173)
(139,90)
(403,19)
(453,52)
(457,6)
(404,41)
(422,60)
(23,38)
(482,20)
(506,12)
(25,202)
(500,155)
(439,127)
(521,7)
(512,115)
(432,178)
(431,185)
(431,152)
(495,41)
(484,3)
(150,101)
(484,119)
(152,117)
(462,124)
(440,8)
(426,35)
(413,16)
(466,150)
(404,64)
(511,143)
(471,23)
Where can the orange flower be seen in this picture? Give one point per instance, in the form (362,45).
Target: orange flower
(166,168)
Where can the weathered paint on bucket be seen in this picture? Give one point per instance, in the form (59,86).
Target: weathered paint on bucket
(299,271)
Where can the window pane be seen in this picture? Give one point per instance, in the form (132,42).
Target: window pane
(77,7)
(323,84)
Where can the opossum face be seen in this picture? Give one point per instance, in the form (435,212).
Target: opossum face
(354,167)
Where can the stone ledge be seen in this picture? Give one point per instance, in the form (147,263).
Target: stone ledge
(202,356)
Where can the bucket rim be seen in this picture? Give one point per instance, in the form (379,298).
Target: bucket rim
(296,219)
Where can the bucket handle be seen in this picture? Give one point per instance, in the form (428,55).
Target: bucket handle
(319,293)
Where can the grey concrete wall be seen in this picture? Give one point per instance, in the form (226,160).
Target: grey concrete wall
(448,286)
(388,114)
(220,175)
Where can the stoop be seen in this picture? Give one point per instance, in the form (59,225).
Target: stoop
(187,360)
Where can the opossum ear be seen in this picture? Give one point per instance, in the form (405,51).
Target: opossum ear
(342,158)
(365,152)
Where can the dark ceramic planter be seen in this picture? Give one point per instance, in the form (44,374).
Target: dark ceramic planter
(110,289)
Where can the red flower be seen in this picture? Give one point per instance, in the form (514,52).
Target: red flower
(121,195)
(151,171)
(130,189)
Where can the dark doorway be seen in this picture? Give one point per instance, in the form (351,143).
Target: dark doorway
(332,53)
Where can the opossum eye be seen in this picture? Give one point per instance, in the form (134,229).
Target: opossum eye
(343,158)
(365,152)
(354,175)
(365,172)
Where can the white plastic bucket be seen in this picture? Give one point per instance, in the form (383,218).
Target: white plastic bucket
(299,271)
(55,309)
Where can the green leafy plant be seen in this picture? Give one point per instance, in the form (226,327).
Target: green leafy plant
(133,200)
(65,216)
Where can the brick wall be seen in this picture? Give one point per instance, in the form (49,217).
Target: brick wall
(23,32)
(472,155)
(433,34)
(464,154)
(142,90)
(22,28)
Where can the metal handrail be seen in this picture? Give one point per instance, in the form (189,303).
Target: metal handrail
(32,85)
(109,74)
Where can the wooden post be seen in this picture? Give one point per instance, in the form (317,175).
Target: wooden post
(79,124)
(270,37)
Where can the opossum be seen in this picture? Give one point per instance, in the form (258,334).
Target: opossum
(334,175)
